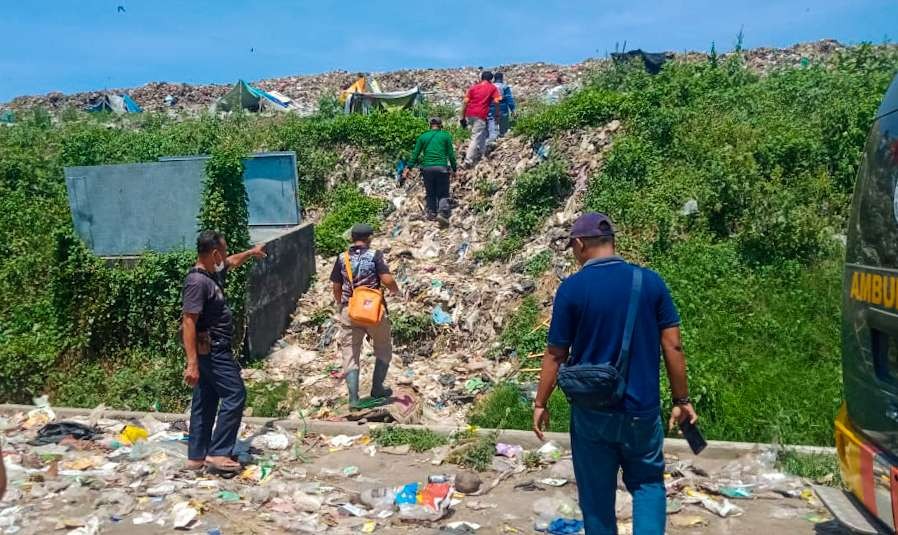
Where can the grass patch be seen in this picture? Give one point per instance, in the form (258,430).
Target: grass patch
(408,328)
(269,400)
(524,333)
(538,264)
(505,404)
(419,439)
(821,468)
(474,450)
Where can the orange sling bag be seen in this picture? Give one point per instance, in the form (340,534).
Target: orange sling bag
(366,305)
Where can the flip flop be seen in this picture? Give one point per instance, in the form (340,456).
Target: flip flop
(196,468)
(218,469)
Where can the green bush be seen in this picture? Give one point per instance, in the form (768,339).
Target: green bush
(533,196)
(409,328)
(594,106)
(347,205)
(420,440)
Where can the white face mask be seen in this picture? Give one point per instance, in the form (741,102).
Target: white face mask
(219,266)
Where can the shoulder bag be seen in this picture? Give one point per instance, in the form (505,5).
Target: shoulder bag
(366,305)
(602,386)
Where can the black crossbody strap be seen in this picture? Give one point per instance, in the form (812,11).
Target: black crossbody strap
(208,275)
(623,360)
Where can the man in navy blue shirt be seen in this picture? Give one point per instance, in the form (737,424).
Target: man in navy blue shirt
(588,320)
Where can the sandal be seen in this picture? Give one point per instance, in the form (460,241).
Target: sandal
(199,467)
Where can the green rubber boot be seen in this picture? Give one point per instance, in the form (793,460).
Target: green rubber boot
(377,383)
(352,384)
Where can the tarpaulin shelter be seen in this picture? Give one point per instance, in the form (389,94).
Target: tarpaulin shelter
(246,97)
(7,116)
(653,61)
(113,103)
(394,100)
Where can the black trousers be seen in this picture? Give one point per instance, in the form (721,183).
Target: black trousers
(436,188)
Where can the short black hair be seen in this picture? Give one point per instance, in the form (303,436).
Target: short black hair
(499,77)
(207,241)
(487,76)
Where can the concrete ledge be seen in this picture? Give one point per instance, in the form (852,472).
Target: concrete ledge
(717,449)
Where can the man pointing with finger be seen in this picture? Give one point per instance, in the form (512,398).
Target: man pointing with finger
(614,315)
(207,329)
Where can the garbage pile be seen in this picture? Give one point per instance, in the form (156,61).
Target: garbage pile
(87,475)
(454,307)
(447,86)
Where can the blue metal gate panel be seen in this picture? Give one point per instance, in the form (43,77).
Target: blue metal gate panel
(125,210)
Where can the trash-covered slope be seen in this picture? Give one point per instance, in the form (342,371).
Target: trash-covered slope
(454,307)
(530,80)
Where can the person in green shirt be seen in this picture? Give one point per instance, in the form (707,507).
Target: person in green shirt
(437,154)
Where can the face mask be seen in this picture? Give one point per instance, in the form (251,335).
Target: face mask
(219,266)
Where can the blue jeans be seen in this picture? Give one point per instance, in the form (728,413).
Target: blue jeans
(603,443)
(220,390)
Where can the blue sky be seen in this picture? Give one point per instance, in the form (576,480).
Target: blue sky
(78,45)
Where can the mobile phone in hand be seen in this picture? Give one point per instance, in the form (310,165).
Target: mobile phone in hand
(693,436)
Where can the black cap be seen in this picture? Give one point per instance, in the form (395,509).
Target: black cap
(361,231)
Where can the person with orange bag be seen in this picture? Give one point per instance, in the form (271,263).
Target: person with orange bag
(357,278)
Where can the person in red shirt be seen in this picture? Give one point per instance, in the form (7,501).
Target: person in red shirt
(475,111)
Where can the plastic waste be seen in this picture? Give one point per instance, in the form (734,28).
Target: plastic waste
(551,507)
(349,509)
(271,441)
(440,317)
(53,432)
(509,450)
(565,526)
(143,518)
(161,490)
(549,452)
(553,482)
(132,434)
(379,499)
(91,527)
(408,494)
(306,502)
(343,441)
(723,508)
(183,515)
(350,471)
(736,492)
(369,526)
(228,496)
(689,208)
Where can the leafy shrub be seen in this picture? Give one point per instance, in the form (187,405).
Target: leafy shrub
(506,403)
(409,328)
(593,106)
(347,206)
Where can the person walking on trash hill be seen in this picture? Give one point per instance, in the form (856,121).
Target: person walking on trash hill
(475,111)
(502,110)
(612,315)
(207,329)
(437,153)
(358,267)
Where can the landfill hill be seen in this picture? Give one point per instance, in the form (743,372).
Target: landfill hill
(447,86)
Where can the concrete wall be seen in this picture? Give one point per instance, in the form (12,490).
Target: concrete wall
(276,283)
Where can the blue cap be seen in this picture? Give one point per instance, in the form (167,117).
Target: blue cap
(592,225)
